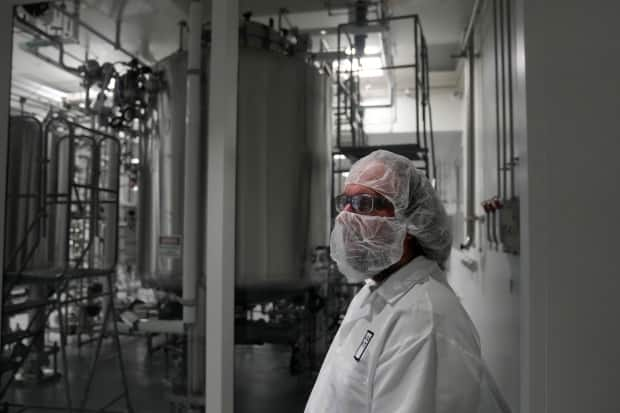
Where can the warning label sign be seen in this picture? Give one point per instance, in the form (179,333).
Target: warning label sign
(171,246)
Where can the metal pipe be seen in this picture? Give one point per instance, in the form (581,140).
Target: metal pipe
(415,81)
(430,123)
(191,203)
(98,34)
(497,104)
(510,100)
(503,71)
(191,248)
(182,29)
(424,101)
(119,24)
(469,31)
(338,92)
(27,26)
(471,164)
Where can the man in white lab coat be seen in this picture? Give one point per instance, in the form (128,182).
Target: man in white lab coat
(406,345)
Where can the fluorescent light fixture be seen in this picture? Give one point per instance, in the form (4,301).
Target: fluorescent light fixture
(339,157)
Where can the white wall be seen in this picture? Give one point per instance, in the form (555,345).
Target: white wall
(485,278)
(401,119)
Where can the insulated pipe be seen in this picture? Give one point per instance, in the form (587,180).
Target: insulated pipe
(471,164)
(191,200)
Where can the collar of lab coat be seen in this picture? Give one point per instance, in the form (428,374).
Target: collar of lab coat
(397,284)
(393,288)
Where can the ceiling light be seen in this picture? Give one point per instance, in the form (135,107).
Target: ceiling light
(323,32)
(339,156)
(135,161)
(345,174)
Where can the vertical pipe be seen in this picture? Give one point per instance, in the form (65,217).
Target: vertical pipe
(425,107)
(6,43)
(417,72)
(221,205)
(191,200)
(69,206)
(93,227)
(424,98)
(471,200)
(497,103)
(430,125)
(503,71)
(510,100)
(338,92)
(471,147)
(191,249)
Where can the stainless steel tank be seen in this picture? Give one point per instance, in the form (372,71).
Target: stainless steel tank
(25,199)
(282,181)
(160,201)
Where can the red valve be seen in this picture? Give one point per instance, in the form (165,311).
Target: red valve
(497,204)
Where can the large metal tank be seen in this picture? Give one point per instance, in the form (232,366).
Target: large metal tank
(25,198)
(160,201)
(282,183)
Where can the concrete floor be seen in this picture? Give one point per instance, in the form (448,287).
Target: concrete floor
(262,380)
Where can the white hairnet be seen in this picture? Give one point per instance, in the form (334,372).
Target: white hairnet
(415,201)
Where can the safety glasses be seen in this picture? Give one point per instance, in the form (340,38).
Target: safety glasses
(362,203)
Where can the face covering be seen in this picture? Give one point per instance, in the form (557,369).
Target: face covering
(364,245)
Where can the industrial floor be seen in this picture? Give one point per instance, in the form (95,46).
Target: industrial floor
(262,380)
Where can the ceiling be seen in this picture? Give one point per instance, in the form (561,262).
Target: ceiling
(150,30)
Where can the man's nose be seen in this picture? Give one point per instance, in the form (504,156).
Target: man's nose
(348,208)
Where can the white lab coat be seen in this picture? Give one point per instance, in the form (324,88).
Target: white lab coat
(406,346)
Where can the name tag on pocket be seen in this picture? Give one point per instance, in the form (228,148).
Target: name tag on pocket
(363,345)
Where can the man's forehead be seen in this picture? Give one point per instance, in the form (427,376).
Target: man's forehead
(377,175)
